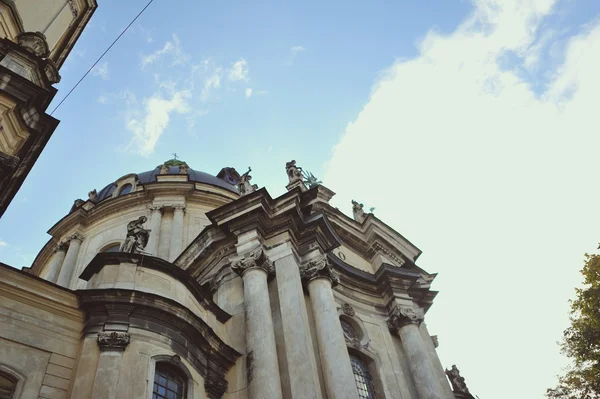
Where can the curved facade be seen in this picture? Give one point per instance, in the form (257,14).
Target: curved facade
(233,296)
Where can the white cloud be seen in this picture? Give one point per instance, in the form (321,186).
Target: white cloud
(248,92)
(239,71)
(172,49)
(492,179)
(294,51)
(211,83)
(101,70)
(102,99)
(3,243)
(148,122)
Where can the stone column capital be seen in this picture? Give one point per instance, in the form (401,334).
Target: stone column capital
(256,258)
(61,246)
(115,341)
(76,236)
(155,208)
(319,267)
(179,208)
(403,315)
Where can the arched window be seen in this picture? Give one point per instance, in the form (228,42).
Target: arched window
(111,248)
(169,382)
(8,384)
(126,189)
(362,378)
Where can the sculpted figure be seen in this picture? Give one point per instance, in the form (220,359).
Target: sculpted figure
(244,185)
(164,169)
(358,212)
(310,180)
(137,236)
(294,172)
(458,382)
(92,195)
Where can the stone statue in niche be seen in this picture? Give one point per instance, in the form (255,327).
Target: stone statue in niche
(294,172)
(137,236)
(458,382)
(244,185)
(358,212)
(92,195)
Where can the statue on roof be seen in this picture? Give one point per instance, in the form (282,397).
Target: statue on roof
(92,195)
(137,236)
(358,212)
(294,172)
(458,382)
(310,180)
(244,185)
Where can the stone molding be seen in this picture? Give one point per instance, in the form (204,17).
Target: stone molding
(403,315)
(319,268)
(113,341)
(191,337)
(256,258)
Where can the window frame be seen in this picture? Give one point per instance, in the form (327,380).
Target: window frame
(19,378)
(175,362)
(366,367)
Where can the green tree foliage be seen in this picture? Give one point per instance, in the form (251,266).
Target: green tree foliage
(581,341)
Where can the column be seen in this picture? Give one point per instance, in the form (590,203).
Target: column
(176,232)
(405,322)
(337,371)
(262,370)
(299,350)
(112,344)
(59,256)
(68,267)
(155,217)
(435,361)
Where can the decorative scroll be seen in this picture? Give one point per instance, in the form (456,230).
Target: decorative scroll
(256,258)
(403,315)
(318,268)
(115,341)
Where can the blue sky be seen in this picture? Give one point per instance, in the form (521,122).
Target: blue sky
(471,126)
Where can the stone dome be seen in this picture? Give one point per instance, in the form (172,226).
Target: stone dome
(224,179)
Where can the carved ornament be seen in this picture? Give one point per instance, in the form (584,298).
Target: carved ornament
(215,386)
(62,246)
(184,169)
(51,72)
(113,341)
(348,310)
(254,259)
(76,236)
(458,382)
(319,268)
(35,43)
(403,315)
(155,208)
(179,208)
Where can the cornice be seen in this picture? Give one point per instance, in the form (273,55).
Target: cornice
(190,337)
(202,295)
(388,282)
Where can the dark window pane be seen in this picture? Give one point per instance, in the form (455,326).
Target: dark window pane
(170,382)
(126,189)
(364,383)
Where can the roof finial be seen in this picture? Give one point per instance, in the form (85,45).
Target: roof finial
(174,155)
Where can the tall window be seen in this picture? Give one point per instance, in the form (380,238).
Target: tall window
(362,377)
(126,189)
(169,383)
(7,385)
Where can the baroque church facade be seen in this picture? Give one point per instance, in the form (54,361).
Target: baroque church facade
(176,283)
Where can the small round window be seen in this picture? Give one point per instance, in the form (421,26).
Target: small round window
(126,189)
